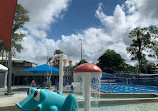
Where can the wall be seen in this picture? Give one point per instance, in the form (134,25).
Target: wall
(3,79)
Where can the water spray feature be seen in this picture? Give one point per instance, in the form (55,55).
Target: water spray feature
(61,57)
(87,77)
(64,74)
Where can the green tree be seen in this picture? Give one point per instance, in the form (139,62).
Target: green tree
(20,18)
(150,67)
(142,41)
(57,51)
(79,63)
(143,65)
(111,61)
(129,68)
(154,45)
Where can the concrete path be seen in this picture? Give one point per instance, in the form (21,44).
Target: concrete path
(20,92)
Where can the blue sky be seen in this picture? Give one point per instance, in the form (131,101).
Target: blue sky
(103,24)
(80,15)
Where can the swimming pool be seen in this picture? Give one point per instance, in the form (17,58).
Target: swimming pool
(125,88)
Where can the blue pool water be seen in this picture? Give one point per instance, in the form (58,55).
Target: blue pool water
(125,88)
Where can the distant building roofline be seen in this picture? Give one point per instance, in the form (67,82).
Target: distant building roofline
(16,60)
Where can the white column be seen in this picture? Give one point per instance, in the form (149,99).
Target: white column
(87,92)
(61,73)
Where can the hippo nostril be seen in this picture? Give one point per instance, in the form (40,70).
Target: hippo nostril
(35,94)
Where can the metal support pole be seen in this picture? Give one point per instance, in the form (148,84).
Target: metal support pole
(81,49)
(9,80)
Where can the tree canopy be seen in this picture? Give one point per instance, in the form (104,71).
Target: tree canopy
(143,43)
(58,51)
(79,63)
(150,67)
(147,67)
(129,68)
(20,18)
(111,61)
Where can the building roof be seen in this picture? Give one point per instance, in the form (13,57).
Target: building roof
(3,68)
(15,60)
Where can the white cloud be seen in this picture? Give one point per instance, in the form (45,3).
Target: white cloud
(93,42)
(37,50)
(113,34)
(42,14)
(131,14)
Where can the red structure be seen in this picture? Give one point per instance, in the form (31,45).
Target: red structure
(87,67)
(87,72)
(7,11)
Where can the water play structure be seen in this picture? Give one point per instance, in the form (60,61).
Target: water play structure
(61,72)
(85,76)
(46,100)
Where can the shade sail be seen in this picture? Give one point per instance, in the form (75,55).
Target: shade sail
(7,10)
(42,69)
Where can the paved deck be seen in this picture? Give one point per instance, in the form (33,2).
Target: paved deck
(20,93)
(11,100)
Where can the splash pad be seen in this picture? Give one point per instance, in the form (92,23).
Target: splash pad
(86,76)
(46,100)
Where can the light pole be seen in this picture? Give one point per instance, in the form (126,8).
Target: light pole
(81,49)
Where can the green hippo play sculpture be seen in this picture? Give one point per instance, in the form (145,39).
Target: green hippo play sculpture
(46,100)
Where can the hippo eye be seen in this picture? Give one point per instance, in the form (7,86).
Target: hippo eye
(37,95)
(28,92)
